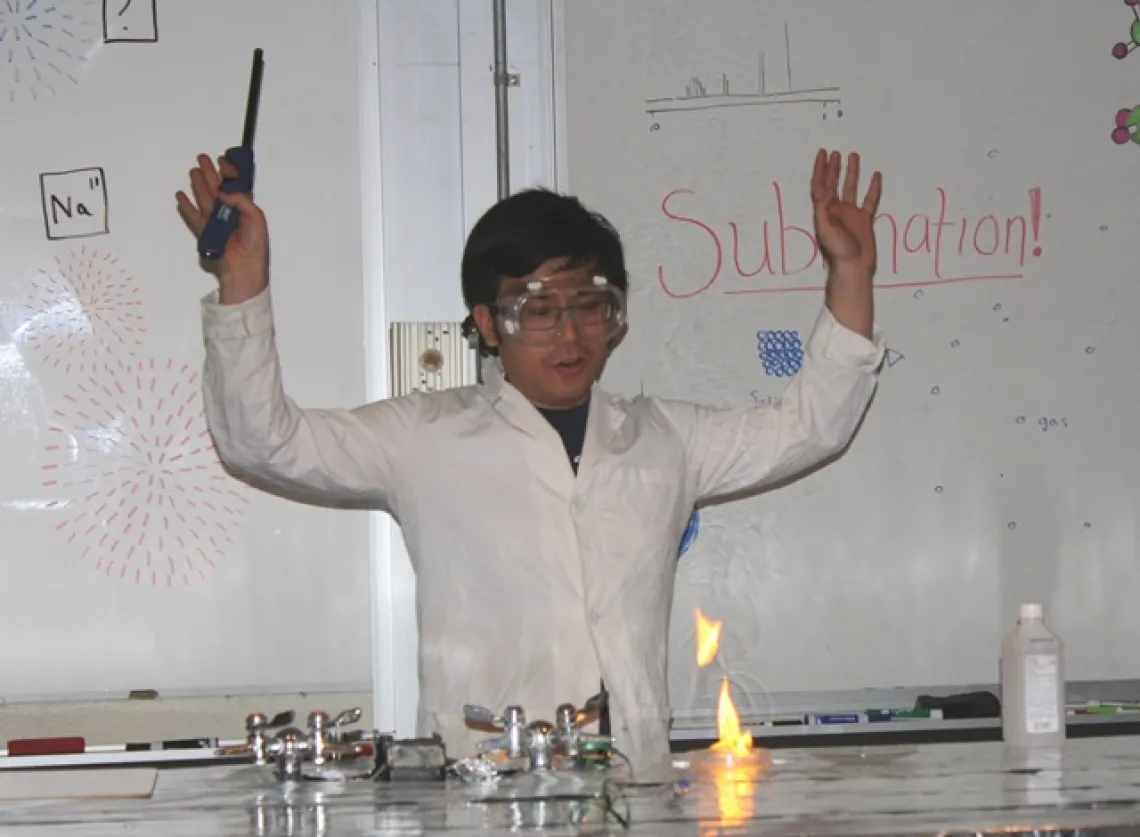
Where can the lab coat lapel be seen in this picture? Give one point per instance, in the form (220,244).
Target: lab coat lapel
(603,437)
(512,405)
(546,452)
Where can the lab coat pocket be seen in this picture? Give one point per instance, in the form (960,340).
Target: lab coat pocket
(642,492)
(637,517)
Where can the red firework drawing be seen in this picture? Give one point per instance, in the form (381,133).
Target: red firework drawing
(84,312)
(145,496)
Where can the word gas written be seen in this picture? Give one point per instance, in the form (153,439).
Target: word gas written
(914,251)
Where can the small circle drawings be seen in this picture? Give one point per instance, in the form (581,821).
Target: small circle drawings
(781,352)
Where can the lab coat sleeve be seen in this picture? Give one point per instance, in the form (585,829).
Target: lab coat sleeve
(731,450)
(324,456)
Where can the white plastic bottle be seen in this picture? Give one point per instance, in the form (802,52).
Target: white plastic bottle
(1032,683)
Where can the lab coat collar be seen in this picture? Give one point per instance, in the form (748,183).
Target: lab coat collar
(603,429)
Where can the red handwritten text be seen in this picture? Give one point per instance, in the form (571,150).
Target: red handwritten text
(765,256)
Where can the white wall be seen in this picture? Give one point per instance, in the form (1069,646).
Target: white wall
(430,142)
(437,123)
(1001,445)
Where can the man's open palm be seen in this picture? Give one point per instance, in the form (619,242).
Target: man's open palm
(843,226)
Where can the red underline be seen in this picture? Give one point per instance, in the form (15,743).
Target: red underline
(886,285)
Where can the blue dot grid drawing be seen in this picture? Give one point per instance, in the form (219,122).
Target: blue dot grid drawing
(781,352)
(691,531)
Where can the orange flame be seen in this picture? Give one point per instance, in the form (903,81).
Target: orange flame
(735,781)
(736,794)
(708,639)
(730,736)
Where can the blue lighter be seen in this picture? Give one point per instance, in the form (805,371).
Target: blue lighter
(223,219)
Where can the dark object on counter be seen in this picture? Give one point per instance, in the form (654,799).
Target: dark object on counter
(410,759)
(967,705)
(604,715)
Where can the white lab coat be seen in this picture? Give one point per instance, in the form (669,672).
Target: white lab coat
(532,584)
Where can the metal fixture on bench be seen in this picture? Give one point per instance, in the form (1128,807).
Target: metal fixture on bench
(289,749)
(539,742)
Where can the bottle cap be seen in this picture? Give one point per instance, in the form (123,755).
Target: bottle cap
(1033,610)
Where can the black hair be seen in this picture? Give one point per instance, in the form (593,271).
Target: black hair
(516,235)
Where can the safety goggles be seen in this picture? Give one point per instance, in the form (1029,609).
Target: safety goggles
(539,315)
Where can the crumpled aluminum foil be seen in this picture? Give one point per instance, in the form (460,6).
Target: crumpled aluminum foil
(477,770)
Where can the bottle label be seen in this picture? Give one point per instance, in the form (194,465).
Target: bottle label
(1042,714)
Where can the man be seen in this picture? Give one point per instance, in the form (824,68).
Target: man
(542,515)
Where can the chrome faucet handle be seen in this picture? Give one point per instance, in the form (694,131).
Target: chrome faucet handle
(567,735)
(481,716)
(261,721)
(566,717)
(256,727)
(591,710)
(288,750)
(326,735)
(282,719)
(512,725)
(344,719)
(540,742)
(568,722)
(319,737)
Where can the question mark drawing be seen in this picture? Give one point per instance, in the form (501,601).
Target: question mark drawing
(130,21)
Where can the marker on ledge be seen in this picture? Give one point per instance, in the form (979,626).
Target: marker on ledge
(1103,710)
(224,218)
(907,714)
(176,744)
(847,718)
(63,746)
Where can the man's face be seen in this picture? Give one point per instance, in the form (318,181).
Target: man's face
(562,344)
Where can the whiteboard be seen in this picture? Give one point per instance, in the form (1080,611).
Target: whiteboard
(998,462)
(129,559)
